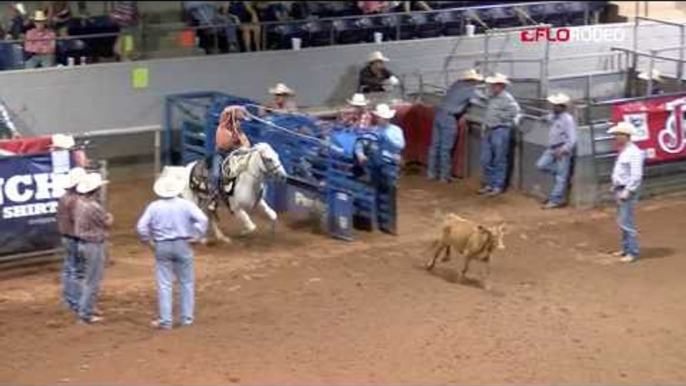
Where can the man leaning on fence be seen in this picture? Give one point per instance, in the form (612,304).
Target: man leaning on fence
(91,224)
(558,157)
(499,123)
(171,224)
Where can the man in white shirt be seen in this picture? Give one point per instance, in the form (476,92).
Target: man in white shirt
(626,181)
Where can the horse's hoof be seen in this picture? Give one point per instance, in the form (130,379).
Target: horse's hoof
(225,240)
(430,265)
(272,228)
(248,232)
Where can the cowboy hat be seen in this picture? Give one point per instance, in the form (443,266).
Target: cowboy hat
(377,56)
(20,8)
(559,99)
(624,128)
(74,177)
(655,75)
(471,74)
(358,100)
(281,89)
(497,78)
(384,111)
(39,16)
(90,183)
(168,187)
(63,141)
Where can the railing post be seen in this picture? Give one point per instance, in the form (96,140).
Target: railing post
(651,65)
(680,65)
(398,20)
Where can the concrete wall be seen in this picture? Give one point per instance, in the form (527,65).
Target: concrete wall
(98,97)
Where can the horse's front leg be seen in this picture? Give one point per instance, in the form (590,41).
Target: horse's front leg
(218,234)
(248,226)
(271,215)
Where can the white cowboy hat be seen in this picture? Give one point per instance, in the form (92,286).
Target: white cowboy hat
(63,141)
(471,74)
(384,111)
(90,183)
(377,56)
(39,16)
(559,99)
(281,89)
(74,177)
(20,8)
(168,187)
(497,78)
(623,127)
(358,100)
(656,75)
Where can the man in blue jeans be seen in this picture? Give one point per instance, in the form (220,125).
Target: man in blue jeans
(499,120)
(444,132)
(91,226)
(557,158)
(627,176)
(171,224)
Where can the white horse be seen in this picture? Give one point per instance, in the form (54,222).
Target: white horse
(258,163)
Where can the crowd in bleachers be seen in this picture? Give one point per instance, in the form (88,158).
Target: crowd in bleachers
(50,35)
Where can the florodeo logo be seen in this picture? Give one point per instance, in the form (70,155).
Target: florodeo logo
(578,34)
(19,194)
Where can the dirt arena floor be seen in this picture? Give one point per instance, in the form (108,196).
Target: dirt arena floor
(301,308)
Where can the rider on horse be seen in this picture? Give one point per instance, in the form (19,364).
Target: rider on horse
(229,138)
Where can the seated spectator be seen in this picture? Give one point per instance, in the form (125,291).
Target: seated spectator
(374,7)
(39,44)
(374,77)
(16,23)
(409,6)
(246,12)
(204,13)
(271,11)
(59,14)
(360,116)
(125,15)
(283,99)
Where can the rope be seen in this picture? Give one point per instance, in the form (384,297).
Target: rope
(274,125)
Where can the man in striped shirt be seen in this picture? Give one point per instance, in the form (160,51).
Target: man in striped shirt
(627,176)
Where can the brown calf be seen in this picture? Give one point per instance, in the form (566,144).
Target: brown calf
(473,241)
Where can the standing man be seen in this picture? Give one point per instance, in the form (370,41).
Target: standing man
(40,43)
(627,176)
(374,77)
(72,270)
(499,121)
(171,224)
(7,128)
(448,114)
(360,116)
(283,99)
(557,158)
(229,137)
(92,224)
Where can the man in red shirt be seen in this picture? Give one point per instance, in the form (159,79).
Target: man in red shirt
(40,43)
(229,137)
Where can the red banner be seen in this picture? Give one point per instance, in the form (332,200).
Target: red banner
(660,133)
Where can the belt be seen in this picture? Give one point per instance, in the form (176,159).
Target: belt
(497,127)
(172,240)
(73,238)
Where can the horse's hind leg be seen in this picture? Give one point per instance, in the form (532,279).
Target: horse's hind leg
(218,234)
(271,215)
(432,262)
(248,226)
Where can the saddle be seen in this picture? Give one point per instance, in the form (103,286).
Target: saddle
(232,166)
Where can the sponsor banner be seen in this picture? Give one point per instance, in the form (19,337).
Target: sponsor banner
(30,187)
(660,125)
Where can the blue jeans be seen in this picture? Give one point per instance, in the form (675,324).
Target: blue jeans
(175,261)
(559,168)
(72,273)
(40,60)
(94,257)
(495,151)
(216,171)
(627,225)
(443,137)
